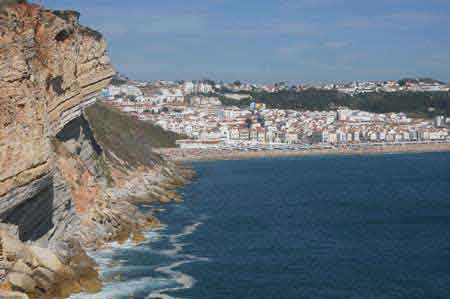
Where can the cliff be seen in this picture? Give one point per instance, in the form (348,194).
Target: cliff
(63,183)
(50,68)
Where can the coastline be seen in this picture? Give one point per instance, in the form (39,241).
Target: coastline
(180,155)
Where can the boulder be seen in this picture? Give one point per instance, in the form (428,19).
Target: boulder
(22,281)
(12,246)
(46,258)
(21,267)
(5,266)
(34,262)
(63,249)
(43,273)
(28,258)
(12,295)
(9,229)
(164,198)
(43,284)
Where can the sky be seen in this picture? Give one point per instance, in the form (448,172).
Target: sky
(262,41)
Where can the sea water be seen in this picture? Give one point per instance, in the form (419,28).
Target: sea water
(307,227)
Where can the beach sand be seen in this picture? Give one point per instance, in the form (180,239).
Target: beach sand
(214,154)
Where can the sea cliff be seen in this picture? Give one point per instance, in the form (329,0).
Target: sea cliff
(63,187)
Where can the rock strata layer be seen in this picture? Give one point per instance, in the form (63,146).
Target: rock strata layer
(61,189)
(51,67)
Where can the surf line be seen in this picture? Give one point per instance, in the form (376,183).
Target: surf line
(184,281)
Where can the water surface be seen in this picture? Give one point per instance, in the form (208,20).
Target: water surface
(307,227)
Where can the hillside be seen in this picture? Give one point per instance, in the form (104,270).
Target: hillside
(424,104)
(130,139)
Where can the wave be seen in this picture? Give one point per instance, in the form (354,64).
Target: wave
(127,289)
(184,281)
(113,264)
(177,246)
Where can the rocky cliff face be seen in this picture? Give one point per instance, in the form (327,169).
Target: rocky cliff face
(64,182)
(51,67)
(61,185)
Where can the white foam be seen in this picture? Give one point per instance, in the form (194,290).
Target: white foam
(126,288)
(177,247)
(125,269)
(184,281)
(157,287)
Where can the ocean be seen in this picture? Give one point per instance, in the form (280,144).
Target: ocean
(306,227)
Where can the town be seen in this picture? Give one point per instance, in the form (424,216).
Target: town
(196,112)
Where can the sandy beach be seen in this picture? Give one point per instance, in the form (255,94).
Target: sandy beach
(217,154)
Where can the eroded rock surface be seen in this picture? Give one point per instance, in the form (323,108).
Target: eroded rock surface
(51,67)
(61,188)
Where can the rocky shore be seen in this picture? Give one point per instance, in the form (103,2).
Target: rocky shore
(61,267)
(64,186)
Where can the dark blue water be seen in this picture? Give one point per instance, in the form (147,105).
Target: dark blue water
(309,227)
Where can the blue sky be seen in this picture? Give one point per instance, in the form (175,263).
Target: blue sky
(303,41)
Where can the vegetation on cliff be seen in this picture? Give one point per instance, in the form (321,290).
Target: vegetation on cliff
(130,139)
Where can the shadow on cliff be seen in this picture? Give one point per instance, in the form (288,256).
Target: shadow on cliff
(73,132)
(34,217)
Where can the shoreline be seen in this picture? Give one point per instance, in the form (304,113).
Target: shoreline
(183,155)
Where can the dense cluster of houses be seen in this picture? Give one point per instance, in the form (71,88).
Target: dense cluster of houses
(287,126)
(190,108)
(411,85)
(161,92)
